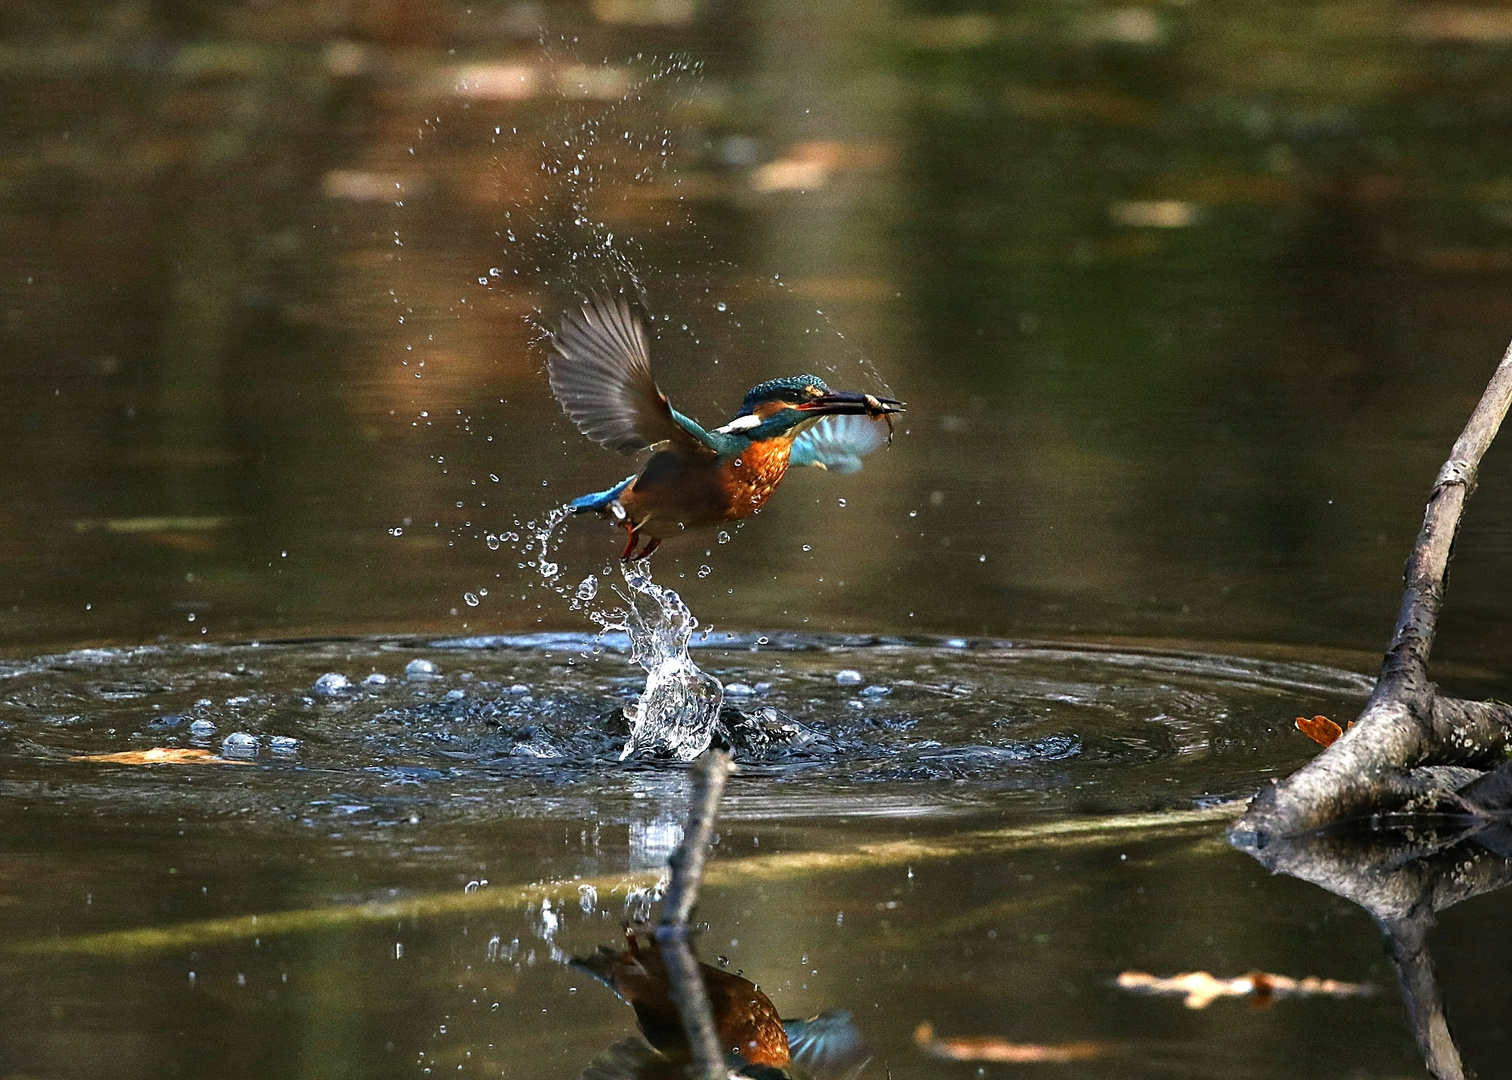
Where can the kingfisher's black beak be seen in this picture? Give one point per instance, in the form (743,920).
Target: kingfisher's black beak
(843,402)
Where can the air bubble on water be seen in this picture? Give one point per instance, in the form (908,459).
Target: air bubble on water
(377,678)
(332,683)
(283,744)
(202,728)
(724,537)
(739,689)
(421,668)
(471,599)
(705,571)
(848,677)
(239,745)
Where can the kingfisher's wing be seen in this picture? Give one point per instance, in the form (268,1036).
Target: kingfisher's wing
(601,375)
(838,443)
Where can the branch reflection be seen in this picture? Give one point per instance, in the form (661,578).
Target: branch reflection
(1404,870)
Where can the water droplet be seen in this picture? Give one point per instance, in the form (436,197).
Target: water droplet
(191,616)
(724,537)
(841,501)
(587,898)
(494,271)
(806,547)
(763,640)
(722,306)
(396,531)
(472,601)
(492,541)
(482,281)
(587,588)
(705,571)
(913,513)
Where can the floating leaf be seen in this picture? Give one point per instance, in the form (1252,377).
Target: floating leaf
(1002,1052)
(1320,729)
(160,755)
(1201,989)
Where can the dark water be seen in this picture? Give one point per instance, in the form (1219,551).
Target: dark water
(1187,302)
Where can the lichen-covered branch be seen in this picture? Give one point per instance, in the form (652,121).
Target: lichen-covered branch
(1394,756)
(687,865)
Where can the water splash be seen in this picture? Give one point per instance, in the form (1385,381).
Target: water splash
(677,711)
(679,707)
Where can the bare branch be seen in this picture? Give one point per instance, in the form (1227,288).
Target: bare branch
(687,864)
(1388,760)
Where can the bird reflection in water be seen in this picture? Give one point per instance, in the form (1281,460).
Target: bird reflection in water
(758,1043)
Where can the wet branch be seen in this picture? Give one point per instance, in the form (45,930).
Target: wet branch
(1411,748)
(687,864)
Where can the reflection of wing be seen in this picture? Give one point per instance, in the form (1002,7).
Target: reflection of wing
(838,443)
(827,1046)
(631,1059)
(602,377)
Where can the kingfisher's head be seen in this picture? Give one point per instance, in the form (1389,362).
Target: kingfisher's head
(785,406)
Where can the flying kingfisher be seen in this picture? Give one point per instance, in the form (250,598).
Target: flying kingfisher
(694,478)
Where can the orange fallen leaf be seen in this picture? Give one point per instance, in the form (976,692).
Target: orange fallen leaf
(1201,989)
(1320,729)
(161,755)
(1002,1052)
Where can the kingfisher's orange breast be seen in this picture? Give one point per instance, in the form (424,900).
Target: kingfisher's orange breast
(750,478)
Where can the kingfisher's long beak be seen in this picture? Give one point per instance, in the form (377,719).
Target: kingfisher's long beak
(843,402)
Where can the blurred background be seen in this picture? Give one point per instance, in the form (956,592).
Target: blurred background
(1188,302)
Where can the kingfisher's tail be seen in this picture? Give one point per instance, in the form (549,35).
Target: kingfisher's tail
(600,500)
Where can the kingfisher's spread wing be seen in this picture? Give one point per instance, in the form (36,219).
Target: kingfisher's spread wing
(838,443)
(601,375)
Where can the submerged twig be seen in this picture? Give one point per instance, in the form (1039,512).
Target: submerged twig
(687,864)
(1411,748)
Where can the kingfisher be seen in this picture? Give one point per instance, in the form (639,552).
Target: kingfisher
(758,1042)
(601,376)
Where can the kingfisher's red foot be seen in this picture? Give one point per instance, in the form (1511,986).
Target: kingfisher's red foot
(632,538)
(654,543)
